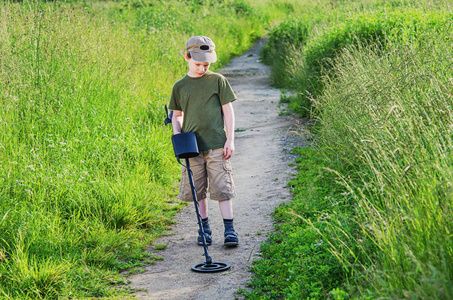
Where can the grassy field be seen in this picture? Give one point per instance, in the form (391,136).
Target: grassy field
(371,216)
(87,173)
(88,177)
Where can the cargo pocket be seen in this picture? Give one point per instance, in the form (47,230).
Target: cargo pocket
(229,183)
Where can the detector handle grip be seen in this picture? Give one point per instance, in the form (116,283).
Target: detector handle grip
(168,116)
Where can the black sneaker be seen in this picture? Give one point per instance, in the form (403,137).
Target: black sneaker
(207,236)
(231,239)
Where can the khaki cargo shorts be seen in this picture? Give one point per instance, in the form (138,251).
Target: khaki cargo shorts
(211,172)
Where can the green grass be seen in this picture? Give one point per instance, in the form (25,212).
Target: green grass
(87,173)
(371,216)
(398,160)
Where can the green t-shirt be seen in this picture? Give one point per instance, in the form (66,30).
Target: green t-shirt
(201,100)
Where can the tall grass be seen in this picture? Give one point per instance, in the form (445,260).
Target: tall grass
(389,118)
(374,195)
(87,175)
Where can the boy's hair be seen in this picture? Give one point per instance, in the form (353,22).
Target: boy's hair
(189,55)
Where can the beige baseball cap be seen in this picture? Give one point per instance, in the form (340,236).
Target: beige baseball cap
(201,49)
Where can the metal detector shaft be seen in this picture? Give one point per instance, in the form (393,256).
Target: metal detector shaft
(197,210)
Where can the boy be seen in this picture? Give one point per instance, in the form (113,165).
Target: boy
(202,103)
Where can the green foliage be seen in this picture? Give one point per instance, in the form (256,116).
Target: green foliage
(393,146)
(290,33)
(87,172)
(297,260)
(376,189)
(302,58)
(377,28)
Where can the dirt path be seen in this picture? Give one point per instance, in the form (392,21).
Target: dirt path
(261,171)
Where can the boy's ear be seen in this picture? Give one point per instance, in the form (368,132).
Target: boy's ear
(186,56)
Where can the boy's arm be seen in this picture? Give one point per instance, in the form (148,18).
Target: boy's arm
(228,115)
(176,121)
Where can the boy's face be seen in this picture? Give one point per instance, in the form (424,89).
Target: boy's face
(196,68)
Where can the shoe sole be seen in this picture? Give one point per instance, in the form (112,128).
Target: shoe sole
(231,244)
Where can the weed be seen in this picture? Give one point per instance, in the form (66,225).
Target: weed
(160,246)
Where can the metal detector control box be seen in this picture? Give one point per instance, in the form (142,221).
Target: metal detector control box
(185,145)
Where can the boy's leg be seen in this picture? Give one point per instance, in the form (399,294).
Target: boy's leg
(226,209)
(203,209)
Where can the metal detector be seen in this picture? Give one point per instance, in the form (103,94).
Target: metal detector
(185,146)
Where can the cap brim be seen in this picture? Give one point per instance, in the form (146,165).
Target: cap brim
(209,57)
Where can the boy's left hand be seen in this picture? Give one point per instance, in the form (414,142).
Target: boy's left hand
(228,149)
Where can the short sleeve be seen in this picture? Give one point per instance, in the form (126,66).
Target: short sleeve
(226,93)
(174,100)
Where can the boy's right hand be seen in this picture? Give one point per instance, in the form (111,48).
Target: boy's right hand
(228,149)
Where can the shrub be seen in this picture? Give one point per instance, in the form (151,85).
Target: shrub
(290,33)
(304,62)
(372,29)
